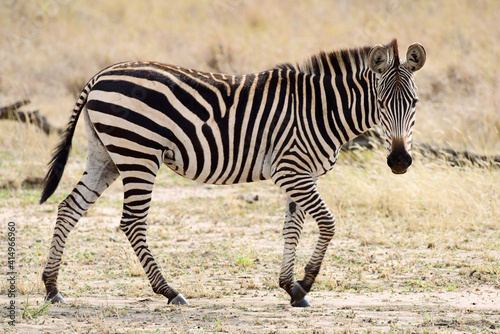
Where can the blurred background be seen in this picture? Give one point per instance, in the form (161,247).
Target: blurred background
(50,48)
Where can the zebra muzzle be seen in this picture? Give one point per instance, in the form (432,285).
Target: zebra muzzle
(399,159)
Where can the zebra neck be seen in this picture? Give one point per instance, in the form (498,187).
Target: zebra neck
(350,103)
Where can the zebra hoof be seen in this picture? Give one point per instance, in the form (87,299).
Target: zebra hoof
(179,300)
(298,296)
(303,303)
(56,299)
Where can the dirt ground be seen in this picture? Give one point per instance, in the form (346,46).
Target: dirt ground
(221,247)
(453,312)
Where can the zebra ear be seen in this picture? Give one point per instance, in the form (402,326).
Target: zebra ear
(415,57)
(378,59)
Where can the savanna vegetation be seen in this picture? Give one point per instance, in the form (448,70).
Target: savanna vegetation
(413,253)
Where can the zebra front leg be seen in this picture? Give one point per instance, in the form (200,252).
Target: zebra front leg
(134,224)
(96,178)
(292,229)
(319,211)
(301,188)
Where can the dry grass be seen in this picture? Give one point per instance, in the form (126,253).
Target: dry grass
(49,50)
(434,230)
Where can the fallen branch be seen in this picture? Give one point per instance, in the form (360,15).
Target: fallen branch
(372,139)
(12,113)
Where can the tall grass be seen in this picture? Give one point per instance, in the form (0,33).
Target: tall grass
(429,197)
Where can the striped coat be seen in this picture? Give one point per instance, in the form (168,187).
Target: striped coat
(286,124)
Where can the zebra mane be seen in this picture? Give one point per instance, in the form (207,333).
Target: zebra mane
(395,53)
(346,60)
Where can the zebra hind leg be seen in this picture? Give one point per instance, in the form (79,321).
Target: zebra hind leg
(291,233)
(134,224)
(99,174)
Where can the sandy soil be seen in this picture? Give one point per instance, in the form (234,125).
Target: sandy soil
(455,312)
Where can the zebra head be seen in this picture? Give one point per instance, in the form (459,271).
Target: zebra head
(397,98)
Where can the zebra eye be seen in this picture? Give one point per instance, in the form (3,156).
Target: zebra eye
(414,103)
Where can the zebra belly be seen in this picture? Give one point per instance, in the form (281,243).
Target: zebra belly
(237,176)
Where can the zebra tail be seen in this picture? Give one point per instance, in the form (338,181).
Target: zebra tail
(61,152)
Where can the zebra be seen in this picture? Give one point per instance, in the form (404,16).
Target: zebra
(286,124)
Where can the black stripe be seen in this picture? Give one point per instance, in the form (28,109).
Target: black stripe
(134,168)
(127,134)
(214,152)
(185,98)
(321,125)
(252,116)
(333,112)
(239,115)
(326,66)
(342,91)
(127,152)
(271,96)
(140,202)
(91,190)
(311,139)
(365,97)
(357,98)
(136,192)
(131,179)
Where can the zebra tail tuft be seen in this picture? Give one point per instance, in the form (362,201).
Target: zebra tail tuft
(61,152)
